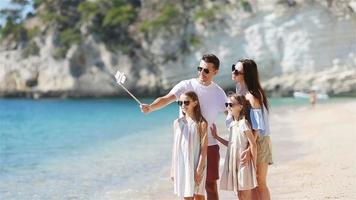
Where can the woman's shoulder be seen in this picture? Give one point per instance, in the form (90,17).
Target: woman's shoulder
(253,100)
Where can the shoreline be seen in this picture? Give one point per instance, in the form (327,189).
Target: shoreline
(120,94)
(313,153)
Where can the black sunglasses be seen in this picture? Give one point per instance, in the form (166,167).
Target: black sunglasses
(186,103)
(235,71)
(230,104)
(204,69)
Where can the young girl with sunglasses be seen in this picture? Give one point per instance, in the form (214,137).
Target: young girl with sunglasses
(189,149)
(237,177)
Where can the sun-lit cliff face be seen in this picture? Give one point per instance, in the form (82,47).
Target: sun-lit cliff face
(297,45)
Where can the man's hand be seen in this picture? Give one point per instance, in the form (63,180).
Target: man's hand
(245,157)
(145,108)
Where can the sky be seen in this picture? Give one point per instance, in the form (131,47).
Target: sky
(7,4)
(4,3)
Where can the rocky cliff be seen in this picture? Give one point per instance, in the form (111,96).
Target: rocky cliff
(297,44)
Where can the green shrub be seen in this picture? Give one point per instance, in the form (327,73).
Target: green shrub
(30,50)
(88,9)
(119,15)
(246,5)
(37,3)
(33,32)
(168,13)
(193,41)
(16,30)
(205,14)
(59,53)
(48,16)
(69,37)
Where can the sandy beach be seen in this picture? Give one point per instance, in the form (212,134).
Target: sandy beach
(313,151)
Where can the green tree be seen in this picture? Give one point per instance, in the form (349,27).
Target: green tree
(13,20)
(120,15)
(88,9)
(168,13)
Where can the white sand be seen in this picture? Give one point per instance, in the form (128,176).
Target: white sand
(320,161)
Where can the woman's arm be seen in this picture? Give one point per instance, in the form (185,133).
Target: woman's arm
(252,145)
(215,135)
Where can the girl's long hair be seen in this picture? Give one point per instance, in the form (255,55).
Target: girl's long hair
(252,81)
(198,117)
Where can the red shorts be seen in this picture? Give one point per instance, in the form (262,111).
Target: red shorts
(213,159)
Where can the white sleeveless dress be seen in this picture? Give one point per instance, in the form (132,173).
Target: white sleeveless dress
(185,158)
(236,177)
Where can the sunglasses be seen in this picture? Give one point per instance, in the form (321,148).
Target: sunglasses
(204,69)
(230,104)
(235,71)
(186,103)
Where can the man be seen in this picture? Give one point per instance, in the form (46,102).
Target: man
(212,101)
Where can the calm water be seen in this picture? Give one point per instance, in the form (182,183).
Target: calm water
(83,149)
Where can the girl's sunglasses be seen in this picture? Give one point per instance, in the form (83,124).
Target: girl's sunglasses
(235,71)
(186,103)
(204,69)
(230,104)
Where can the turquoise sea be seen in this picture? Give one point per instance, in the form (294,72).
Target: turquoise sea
(84,149)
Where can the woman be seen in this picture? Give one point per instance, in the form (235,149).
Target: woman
(245,74)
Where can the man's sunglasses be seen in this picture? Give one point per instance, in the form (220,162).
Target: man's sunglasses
(235,71)
(204,69)
(186,103)
(230,104)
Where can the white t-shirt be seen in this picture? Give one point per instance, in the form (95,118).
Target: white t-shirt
(212,100)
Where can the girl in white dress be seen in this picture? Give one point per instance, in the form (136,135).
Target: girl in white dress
(237,177)
(189,149)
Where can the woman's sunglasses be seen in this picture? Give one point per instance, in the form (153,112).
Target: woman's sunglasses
(186,103)
(204,69)
(235,71)
(230,104)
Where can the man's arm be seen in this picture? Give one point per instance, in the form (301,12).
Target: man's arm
(158,103)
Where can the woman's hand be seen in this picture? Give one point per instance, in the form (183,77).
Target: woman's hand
(245,157)
(214,131)
(197,177)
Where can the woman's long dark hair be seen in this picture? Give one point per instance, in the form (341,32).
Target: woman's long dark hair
(252,81)
(198,117)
